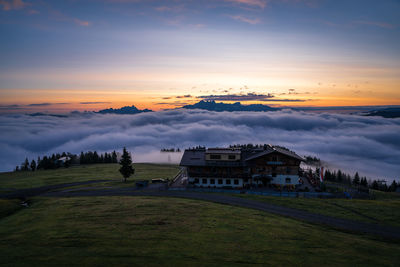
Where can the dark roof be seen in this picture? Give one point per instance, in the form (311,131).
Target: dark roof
(287,152)
(196,157)
(223,151)
(193,157)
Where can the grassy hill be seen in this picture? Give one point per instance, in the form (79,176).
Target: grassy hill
(150,231)
(27,179)
(381,211)
(154,231)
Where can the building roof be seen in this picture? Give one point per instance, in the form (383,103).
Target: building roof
(196,157)
(193,157)
(272,149)
(223,150)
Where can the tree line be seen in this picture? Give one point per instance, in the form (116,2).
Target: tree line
(93,157)
(358,181)
(65,160)
(170,150)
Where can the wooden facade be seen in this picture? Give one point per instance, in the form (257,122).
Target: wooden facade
(241,168)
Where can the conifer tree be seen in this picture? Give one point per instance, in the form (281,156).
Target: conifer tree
(356,180)
(375,185)
(126,165)
(26,165)
(393,186)
(82,158)
(33,165)
(114,157)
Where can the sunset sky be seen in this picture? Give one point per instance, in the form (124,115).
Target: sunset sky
(87,55)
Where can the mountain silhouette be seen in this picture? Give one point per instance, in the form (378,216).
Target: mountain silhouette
(213,106)
(124,110)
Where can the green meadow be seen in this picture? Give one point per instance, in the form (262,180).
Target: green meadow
(149,231)
(27,179)
(153,231)
(385,210)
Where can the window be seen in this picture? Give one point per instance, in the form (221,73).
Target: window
(220,181)
(228,181)
(212,181)
(236,181)
(288,170)
(204,181)
(196,181)
(246,180)
(213,156)
(274,174)
(231,157)
(288,180)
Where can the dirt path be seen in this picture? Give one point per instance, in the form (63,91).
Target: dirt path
(390,232)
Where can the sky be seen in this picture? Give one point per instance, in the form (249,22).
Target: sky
(87,55)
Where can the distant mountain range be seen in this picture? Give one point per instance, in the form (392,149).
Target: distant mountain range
(213,106)
(124,110)
(393,112)
(386,113)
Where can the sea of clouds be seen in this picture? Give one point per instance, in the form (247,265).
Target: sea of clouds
(369,145)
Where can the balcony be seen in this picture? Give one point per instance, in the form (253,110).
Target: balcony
(216,175)
(223,163)
(275,163)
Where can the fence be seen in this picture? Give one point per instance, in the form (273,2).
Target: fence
(262,193)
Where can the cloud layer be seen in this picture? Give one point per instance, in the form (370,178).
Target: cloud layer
(370,145)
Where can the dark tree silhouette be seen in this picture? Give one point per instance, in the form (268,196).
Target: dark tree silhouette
(114,157)
(126,165)
(375,185)
(33,165)
(356,180)
(25,166)
(393,186)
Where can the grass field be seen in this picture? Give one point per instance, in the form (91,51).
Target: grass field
(128,231)
(383,211)
(143,171)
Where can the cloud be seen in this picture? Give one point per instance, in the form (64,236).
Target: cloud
(170,8)
(242,18)
(174,103)
(33,12)
(81,22)
(10,107)
(39,104)
(376,23)
(45,104)
(248,97)
(93,103)
(369,145)
(286,100)
(184,96)
(13,4)
(237,97)
(252,3)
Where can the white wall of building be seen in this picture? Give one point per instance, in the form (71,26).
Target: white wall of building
(281,179)
(216,184)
